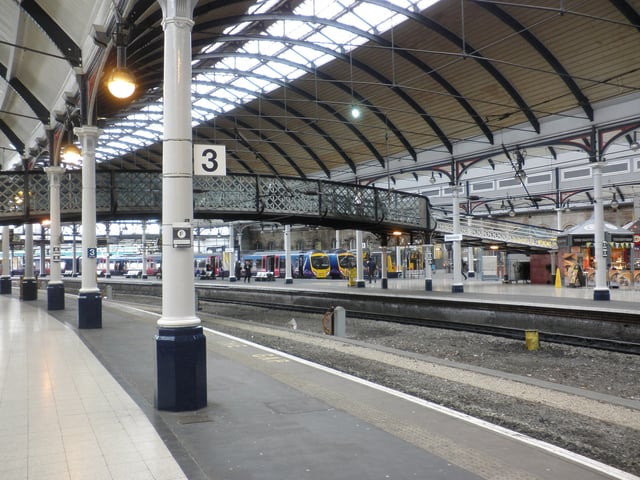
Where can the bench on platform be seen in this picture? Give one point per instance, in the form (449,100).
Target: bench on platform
(264,277)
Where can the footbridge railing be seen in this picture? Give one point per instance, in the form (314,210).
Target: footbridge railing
(505,232)
(24,198)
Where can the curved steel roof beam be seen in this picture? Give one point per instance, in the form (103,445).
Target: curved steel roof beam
(453,92)
(628,12)
(36,106)
(280,104)
(13,138)
(244,141)
(141,122)
(233,137)
(544,52)
(275,146)
(298,114)
(469,51)
(360,66)
(301,92)
(56,34)
(276,124)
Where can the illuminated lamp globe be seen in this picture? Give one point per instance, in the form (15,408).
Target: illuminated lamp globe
(121,83)
(71,154)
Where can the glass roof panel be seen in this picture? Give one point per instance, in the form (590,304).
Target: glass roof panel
(353,13)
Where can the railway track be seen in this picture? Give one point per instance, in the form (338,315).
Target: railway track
(496,331)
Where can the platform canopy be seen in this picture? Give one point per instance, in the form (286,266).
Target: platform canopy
(583,234)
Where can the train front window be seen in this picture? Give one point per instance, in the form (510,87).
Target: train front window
(320,262)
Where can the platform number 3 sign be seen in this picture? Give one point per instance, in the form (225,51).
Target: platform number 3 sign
(209,160)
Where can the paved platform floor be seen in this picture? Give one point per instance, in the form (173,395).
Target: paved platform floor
(64,415)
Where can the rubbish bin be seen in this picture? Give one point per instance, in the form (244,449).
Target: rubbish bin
(353,272)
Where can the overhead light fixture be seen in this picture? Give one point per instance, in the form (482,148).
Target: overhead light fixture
(432,180)
(355,112)
(71,154)
(121,82)
(614,203)
(633,142)
(512,212)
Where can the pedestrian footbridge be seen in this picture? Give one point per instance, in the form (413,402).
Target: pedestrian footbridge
(24,198)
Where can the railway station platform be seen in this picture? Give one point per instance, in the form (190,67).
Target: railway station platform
(624,298)
(78,404)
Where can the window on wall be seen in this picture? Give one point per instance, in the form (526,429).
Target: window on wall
(258,245)
(615,168)
(576,173)
(541,178)
(482,186)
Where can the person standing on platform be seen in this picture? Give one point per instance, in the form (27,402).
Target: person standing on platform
(372,269)
(247,271)
(238,270)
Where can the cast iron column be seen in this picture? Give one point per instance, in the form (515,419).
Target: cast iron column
(55,288)
(144,249)
(601,291)
(359,262)
(428,274)
(5,280)
(29,286)
(232,254)
(457,286)
(383,268)
(181,374)
(107,273)
(89,297)
(288,276)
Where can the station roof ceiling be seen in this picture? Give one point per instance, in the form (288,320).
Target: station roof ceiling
(276,80)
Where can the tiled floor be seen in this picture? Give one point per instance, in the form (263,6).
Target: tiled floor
(62,416)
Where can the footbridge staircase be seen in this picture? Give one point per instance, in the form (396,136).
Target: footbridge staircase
(512,235)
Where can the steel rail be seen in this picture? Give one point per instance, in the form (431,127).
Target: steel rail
(611,345)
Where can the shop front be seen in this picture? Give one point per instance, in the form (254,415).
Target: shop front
(576,256)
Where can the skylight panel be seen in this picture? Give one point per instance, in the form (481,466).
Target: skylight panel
(145,127)
(262,7)
(209,103)
(293,28)
(424,4)
(325,9)
(235,29)
(339,39)
(354,20)
(147,134)
(212,47)
(302,55)
(278,70)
